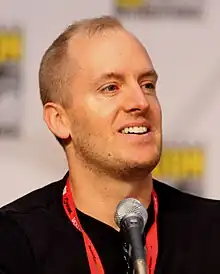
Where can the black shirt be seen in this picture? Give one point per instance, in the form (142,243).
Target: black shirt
(36,236)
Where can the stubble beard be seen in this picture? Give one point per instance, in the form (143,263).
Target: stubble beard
(105,164)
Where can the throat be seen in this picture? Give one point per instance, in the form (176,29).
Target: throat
(100,199)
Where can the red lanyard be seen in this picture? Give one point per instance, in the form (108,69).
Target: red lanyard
(95,263)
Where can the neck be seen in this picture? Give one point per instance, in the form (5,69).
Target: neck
(98,196)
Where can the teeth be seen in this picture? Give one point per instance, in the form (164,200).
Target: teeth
(134,130)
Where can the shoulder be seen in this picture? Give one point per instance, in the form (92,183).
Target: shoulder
(25,226)
(173,199)
(37,199)
(37,211)
(182,213)
(188,228)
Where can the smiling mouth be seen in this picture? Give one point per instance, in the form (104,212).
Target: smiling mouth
(135,130)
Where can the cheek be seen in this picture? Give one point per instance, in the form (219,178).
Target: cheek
(100,107)
(91,115)
(156,111)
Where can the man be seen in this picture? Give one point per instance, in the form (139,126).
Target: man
(98,89)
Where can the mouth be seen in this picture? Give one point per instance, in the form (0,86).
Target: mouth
(136,130)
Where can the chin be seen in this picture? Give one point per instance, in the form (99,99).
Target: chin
(135,170)
(148,164)
(144,156)
(145,162)
(132,168)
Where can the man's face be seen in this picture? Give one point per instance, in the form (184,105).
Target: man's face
(115,115)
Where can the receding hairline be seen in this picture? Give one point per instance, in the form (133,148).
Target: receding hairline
(54,73)
(88,28)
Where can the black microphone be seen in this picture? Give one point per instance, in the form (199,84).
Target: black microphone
(131,217)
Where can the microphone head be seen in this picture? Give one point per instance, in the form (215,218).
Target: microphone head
(130,207)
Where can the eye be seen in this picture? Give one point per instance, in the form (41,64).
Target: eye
(149,86)
(110,88)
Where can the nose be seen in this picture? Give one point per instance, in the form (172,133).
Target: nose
(135,100)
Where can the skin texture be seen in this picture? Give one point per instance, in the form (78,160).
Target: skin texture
(113,87)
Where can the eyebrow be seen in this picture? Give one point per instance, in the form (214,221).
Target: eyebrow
(120,77)
(150,73)
(110,75)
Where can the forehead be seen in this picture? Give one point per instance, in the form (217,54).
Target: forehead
(112,51)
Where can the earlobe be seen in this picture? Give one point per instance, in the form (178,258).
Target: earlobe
(56,119)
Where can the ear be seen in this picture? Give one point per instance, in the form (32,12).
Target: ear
(56,120)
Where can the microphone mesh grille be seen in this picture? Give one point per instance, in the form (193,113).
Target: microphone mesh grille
(130,206)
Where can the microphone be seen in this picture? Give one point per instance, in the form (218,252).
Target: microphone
(131,217)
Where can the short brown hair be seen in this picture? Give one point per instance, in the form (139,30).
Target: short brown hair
(54,73)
